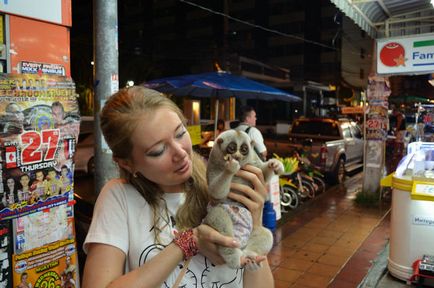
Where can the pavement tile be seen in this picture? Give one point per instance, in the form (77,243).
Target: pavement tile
(352,244)
(294,242)
(307,232)
(314,247)
(307,255)
(335,260)
(323,240)
(352,274)
(330,233)
(282,251)
(281,284)
(286,275)
(342,284)
(323,269)
(296,264)
(314,281)
(274,259)
(340,251)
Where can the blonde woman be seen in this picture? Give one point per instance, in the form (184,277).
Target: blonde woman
(147,224)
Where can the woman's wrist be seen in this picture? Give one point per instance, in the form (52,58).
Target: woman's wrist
(187,242)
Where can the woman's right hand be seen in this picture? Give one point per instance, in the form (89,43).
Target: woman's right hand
(208,240)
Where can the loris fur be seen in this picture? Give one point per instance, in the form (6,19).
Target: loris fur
(231,151)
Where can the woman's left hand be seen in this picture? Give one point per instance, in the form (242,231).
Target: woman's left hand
(252,198)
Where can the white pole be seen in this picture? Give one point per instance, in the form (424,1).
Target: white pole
(216,117)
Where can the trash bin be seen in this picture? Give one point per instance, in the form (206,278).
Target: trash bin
(412,218)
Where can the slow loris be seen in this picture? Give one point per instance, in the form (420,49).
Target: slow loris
(231,151)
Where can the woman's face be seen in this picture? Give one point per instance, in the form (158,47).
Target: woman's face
(39,176)
(11,183)
(64,172)
(25,180)
(162,150)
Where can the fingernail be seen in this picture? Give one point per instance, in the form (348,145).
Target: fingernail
(235,243)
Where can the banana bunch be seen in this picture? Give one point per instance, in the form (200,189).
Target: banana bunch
(290,164)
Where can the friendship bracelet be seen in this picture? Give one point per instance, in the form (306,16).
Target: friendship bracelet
(185,241)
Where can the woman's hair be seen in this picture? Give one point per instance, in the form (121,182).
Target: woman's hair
(119,118)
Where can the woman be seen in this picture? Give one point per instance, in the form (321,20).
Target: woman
(24,283)
(65,179)
(24,193)
(12,193)
(140,233)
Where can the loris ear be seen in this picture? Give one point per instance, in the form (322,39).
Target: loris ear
(220,141)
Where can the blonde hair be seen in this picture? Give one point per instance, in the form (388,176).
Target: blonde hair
(119,118)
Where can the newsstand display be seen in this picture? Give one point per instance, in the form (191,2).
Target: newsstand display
(39,127)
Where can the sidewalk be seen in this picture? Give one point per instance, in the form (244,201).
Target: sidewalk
(330,242)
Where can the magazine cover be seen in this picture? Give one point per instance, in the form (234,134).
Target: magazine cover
(53,265)
(39,127)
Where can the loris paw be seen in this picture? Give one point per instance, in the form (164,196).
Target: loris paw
(231,164)
(276,166)
(252,263)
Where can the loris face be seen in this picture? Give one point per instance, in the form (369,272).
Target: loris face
(234,143)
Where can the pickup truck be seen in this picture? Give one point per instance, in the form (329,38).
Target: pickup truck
(337,145)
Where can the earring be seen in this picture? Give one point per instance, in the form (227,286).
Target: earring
(135,174)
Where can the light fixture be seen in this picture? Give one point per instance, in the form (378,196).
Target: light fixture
(130,83)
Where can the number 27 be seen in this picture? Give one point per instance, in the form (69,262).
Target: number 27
(32,141)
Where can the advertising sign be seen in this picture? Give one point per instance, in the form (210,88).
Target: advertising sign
(408,55)
(47,10)
(42,68)
(39,126)
(53,265)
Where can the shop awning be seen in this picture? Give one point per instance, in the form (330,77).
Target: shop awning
(387,18)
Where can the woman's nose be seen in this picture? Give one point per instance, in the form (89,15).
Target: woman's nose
(178,151)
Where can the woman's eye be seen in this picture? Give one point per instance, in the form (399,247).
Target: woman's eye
(156,153)
(181,134)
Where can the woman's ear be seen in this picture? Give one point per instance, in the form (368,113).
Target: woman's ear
(124,164)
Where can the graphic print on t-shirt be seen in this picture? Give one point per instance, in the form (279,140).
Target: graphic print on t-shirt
(189,280)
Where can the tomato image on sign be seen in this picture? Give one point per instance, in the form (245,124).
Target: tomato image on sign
(393,55)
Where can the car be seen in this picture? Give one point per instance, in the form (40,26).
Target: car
(337,142)
(84,157)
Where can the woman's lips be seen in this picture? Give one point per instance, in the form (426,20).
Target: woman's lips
(184,168)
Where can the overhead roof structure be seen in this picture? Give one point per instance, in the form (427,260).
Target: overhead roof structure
(389,18)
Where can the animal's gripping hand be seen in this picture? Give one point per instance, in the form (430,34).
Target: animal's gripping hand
(276,166)
(231,164)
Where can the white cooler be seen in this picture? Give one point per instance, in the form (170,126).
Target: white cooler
(412,219)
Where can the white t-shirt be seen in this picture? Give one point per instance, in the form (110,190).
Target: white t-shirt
(122,218)
(255,135)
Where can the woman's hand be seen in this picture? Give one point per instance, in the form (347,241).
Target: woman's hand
(207,240)
(252,198)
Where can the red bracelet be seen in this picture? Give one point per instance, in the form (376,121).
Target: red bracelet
(186,242)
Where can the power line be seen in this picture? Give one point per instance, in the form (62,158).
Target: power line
(262,27)
(258,26)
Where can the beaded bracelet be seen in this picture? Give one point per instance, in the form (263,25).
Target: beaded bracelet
(185,241)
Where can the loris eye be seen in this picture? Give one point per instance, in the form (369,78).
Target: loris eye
(231,148)
(244,149)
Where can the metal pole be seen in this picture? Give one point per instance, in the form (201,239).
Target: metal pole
(106,81)
(305,101)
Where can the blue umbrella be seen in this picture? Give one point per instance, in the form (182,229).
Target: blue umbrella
(220,85)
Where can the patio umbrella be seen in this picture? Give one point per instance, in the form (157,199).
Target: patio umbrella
(220,85)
